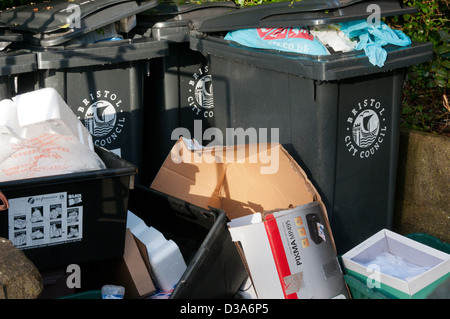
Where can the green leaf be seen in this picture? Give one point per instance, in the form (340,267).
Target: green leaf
(407,110)
(441,82)
(446,64)
(442,73)
(443,49)
(444,35)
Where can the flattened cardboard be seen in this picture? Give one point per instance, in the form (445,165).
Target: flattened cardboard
(210,177)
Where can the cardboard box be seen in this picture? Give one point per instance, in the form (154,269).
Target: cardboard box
(358,263)
(129,271)
(290,254)
(138,282)
(245,181)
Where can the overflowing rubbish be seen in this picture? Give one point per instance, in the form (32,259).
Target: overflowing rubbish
(40,136)
(238,221)
(325,39)
(332,37)
(288,253)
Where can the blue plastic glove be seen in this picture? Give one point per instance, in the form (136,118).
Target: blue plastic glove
(372,38)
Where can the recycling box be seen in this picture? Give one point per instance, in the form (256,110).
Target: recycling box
(70,218)
(337,114)
(418,268)
(87,52)
(214,267)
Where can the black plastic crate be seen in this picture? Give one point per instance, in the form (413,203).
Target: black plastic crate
(83,214)
(214,266)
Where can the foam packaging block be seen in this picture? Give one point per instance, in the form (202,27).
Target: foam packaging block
(165,261)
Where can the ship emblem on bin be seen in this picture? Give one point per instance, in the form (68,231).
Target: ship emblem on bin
(100,118)
(366,128)
(201,98)
(102,115)
(204,92)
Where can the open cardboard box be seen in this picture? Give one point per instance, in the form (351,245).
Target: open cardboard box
(140,283)
(130,271)
(386,241)
(246,181)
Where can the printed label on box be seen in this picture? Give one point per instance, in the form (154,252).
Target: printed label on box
(305,260)
(48,219)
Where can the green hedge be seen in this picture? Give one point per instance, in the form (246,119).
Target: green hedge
(425,104)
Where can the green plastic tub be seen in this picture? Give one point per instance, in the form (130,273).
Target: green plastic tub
(90,294)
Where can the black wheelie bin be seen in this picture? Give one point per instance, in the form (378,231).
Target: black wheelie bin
(171,21)
(337,114)
(14,62)
(87,52)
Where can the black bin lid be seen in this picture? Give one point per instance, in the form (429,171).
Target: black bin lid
(170,7)
(300,14)
(183,12)
(51,23)
(8,36)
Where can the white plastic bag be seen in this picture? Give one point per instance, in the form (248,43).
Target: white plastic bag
(331,36)
(40,136)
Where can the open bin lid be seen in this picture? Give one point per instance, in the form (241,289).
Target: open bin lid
(16,62)
(7,37)
(186,10)
(300,14)
(171,19)
(54,22)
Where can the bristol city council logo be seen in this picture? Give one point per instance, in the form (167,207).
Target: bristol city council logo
(366,128)
(102,115)
(201,98)
(100,118)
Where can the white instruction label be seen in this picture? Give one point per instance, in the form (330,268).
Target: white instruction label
(43,220)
